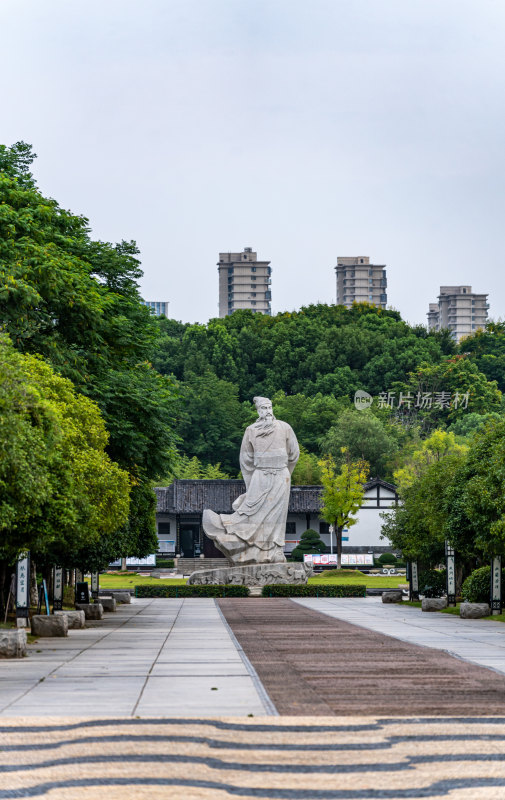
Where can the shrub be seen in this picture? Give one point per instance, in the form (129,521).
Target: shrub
(212,590)
(387,558)
(308,590)
(433,582)
(341,573)
(167,563)
(310,542)
(477,587)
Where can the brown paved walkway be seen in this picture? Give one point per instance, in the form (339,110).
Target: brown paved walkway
(311,664)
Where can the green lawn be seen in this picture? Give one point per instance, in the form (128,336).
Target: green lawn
(132,579)
(352,577)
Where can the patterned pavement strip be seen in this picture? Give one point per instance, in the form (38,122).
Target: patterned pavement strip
(312,664)
(357,742)
(313,758)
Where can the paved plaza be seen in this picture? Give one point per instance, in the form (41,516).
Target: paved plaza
(153,657)
(171,698)
(478,641)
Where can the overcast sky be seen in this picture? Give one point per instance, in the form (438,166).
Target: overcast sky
(304,130)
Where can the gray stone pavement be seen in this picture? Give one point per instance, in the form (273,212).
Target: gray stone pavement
(480,642)
(152,658)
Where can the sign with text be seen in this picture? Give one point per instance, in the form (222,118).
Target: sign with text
(496,585)
(23,585)
(82,592)
(57,589)
(348,559)
(149,561)
(95,581)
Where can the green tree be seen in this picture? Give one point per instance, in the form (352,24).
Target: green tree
(56,438)
(310,417)
(417,525)
(449,390)
(430,451)
(361,435)
(342,494)
(307,471)
(186,468)
(475,502)
(76,301)
(486,348)
(211,420)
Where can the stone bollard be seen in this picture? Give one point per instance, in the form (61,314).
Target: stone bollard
(42,625)
(122,597)
(75,619)
(91,610)
(474,610)
(392,597)
(13,643)
(433,603)
(108,603)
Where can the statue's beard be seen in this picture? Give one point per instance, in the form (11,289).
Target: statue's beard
(265,425)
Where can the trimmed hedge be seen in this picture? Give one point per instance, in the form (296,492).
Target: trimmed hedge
(165,563)
(212,590)
(306,590)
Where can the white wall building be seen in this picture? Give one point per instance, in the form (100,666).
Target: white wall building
(180,507)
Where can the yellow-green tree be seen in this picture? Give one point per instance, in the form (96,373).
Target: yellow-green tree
(431,451)
(59,490)
(342,494)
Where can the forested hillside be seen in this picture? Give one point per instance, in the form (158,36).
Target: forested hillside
(310,363)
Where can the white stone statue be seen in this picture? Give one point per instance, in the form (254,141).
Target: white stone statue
(255,532)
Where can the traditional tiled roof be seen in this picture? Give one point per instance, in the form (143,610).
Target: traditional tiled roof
(193,496)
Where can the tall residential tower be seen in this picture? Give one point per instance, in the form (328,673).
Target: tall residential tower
(460,310)
(244,282)
(358,281)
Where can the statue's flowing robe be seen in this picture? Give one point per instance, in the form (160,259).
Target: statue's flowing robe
(256,531)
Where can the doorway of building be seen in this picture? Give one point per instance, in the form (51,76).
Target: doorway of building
(190,539)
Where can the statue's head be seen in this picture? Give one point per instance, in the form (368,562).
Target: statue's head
(265,423)
(263,407)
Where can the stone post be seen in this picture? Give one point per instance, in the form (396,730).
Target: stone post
(496,585)
(451,574)
(413,581)
(22,590)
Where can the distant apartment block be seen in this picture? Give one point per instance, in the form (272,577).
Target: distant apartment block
(244,282)
(158,307)
(358,281)
(460,310)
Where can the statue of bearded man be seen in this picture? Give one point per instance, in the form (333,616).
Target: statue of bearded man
(255,532)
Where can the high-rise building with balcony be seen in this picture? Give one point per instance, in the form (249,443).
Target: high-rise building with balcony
(244,282)
(157,307)
(358,281)
(460,310)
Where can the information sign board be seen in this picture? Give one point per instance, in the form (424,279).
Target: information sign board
(23,585)
(81,592)
(57,589)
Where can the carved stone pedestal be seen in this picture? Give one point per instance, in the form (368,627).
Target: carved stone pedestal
(253,575)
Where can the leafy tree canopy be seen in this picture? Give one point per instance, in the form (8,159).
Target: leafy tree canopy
(342,494)
(75,301)
(362,436)
(59,490)
(475,504)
